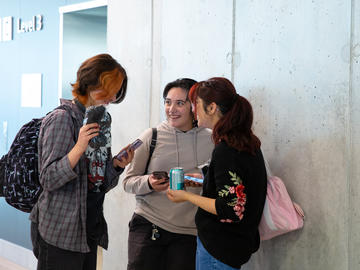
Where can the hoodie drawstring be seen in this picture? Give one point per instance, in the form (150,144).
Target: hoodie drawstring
(195,136)
(177,149)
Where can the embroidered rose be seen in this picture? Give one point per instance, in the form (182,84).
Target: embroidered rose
(237,203)
(239,190)
(240,201)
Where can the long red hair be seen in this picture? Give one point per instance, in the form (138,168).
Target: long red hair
(235,125)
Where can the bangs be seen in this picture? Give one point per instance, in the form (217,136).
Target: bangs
(110,82)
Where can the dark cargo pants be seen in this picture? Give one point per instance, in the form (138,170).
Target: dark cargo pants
(54,258)
(170,251)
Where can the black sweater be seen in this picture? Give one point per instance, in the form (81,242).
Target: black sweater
(232,236)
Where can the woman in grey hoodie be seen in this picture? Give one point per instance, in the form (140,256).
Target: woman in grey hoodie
(162,235)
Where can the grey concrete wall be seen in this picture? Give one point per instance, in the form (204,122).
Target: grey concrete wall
(298,64)
(354,173)
(295,70)
(130,41)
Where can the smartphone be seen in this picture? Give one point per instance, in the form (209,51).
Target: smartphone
(161,175)
(133,146)
(197,180)
(94,114)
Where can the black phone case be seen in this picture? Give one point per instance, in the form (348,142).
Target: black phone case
(161,174)
(94,114)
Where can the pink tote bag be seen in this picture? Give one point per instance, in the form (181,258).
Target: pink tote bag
(280,214)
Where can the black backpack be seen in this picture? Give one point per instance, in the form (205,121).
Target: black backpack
(19,167)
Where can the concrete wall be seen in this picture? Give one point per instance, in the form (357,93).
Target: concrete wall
(354,149)
(298,64)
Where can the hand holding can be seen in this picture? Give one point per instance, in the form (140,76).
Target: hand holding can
(177,178)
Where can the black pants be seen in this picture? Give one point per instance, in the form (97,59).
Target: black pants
(54,258)
(170,251)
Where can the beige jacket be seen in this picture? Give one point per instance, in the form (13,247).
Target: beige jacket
(174,148)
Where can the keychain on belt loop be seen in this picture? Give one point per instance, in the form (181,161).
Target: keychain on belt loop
(155,235)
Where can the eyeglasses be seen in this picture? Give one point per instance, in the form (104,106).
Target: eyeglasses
(179,102)
(120,95)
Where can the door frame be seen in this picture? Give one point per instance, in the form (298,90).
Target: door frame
(62,11)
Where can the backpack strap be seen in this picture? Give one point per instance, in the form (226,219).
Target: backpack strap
(68,109)
(2,174)
(152,147)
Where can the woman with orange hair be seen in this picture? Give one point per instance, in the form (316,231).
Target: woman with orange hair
(77,169)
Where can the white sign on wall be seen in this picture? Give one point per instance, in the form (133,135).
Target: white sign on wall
(31,85)
(7,28)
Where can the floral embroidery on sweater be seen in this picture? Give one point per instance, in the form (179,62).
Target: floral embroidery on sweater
(238,202)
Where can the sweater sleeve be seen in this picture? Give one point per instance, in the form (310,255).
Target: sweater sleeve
(231,197)
(135,181)
(111,174)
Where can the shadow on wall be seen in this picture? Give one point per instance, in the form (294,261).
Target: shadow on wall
(301,155)
(267,257)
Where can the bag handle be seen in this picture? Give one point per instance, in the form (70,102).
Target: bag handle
(268,170)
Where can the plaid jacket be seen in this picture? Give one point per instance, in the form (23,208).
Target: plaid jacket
(61,208)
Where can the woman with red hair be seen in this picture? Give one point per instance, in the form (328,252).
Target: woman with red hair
(77,169)
(234,187)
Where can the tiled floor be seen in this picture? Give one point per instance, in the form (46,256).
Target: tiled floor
(8,265)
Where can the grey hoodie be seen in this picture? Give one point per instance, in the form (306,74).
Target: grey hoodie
(174,148)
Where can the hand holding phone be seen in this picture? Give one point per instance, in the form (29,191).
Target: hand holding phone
(159,181)
(194,179)
(132,146)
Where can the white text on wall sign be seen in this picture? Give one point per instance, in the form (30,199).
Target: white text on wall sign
(6,26)
(35,24)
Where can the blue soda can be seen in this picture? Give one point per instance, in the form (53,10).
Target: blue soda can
(177,178)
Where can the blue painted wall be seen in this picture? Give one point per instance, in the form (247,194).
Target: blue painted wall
(33,52)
